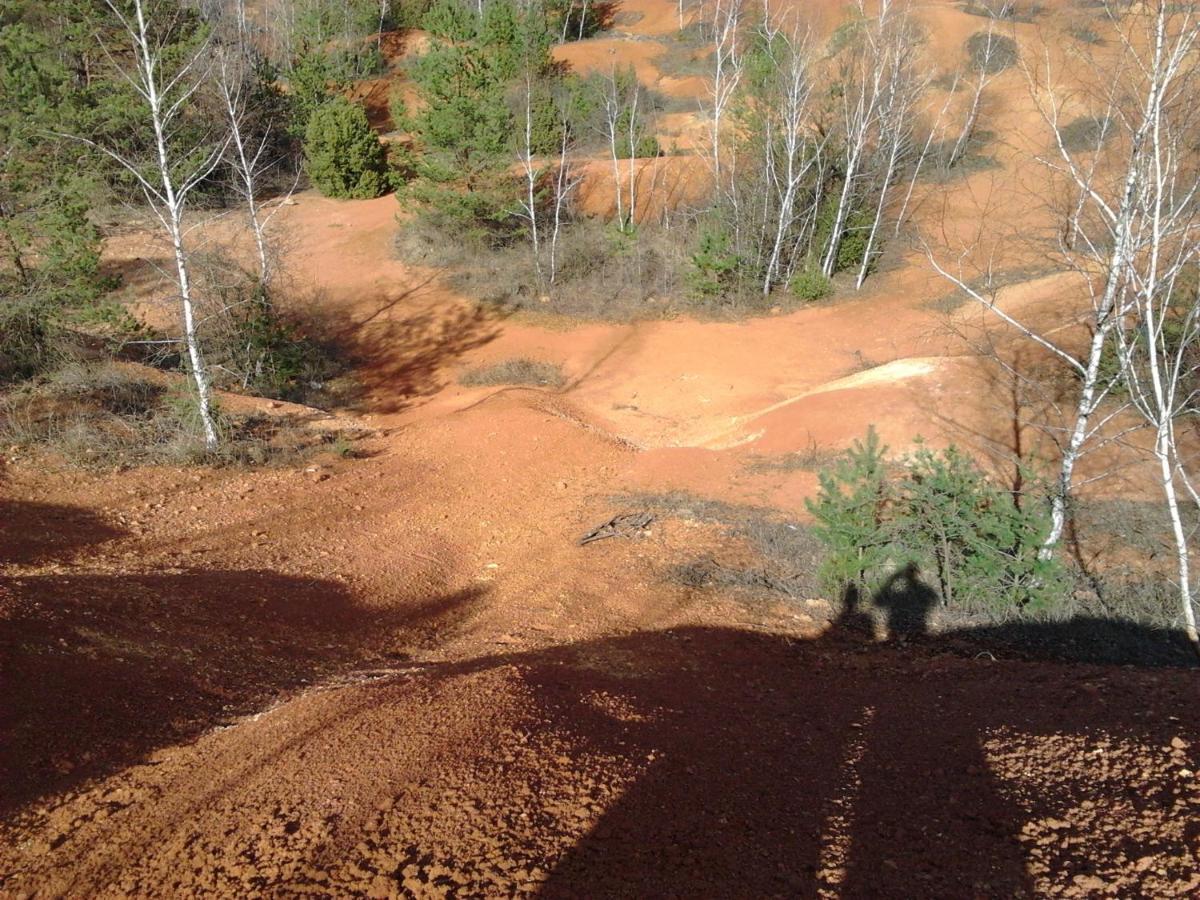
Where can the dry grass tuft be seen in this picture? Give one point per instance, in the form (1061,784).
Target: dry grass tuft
(515,371)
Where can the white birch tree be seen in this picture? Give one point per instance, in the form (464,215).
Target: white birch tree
(529,202)
(175,169)
(248,155)
(1158,342)
(726,72)
(902,88)
(1114,241)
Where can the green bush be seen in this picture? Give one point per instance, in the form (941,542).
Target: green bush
(484,217)
(470,81)
(855,230)
(342,154)
(809,285)
(981,546)
(853,247)
(645,147)
(716,265)
(852,521)
(309,85)
(936,513)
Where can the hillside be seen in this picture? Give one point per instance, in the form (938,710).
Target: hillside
(392,668)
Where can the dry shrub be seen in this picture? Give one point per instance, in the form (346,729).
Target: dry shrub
(105,416)
(810,458)
(1087,133)
(515,371)
(1003,10)
(992,54)
(602,273)
(788,552)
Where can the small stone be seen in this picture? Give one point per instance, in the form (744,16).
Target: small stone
(381,887)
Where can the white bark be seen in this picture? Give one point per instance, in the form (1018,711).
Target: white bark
(633,130)
(727,71)
(934,130)
(165,98)
(862,82)
(1155,359)
(612,123)
(963,142)
(529,204)
(793,122)
(247,160)
(901,90)
(1133,219)
(564,184)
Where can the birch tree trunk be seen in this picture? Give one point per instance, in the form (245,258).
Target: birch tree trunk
(165,98)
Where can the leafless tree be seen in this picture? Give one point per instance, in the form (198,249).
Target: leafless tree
(726,71)
(529,203)
(794,162)
(565,180)
(861,77)
(249,152)
(621,104)
(1159,339)
(935,132)
(902,87)
(165,92)
(1128,215)
(986,65)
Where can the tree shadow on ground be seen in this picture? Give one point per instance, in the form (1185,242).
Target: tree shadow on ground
(398,350)
(100,670)
(740,764)
(38,532)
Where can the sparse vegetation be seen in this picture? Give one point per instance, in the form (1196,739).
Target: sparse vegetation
(1084,33)
(515,371)
(251,648)
(808,285)
(1087,133)
(108,416)
(991,53)
(938,514)
(787,551)
(811,458)
(1003,10)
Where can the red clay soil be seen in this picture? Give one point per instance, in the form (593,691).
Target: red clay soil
(398,674)
(401,676)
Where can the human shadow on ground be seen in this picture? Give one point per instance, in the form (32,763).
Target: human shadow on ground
(908,605)
(99,670)
(771,766)
(775,767)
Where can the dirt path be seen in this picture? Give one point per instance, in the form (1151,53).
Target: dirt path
(400,675)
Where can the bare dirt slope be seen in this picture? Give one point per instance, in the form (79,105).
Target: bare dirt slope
(401,675)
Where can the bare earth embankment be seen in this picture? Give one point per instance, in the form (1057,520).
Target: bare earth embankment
(396,673)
